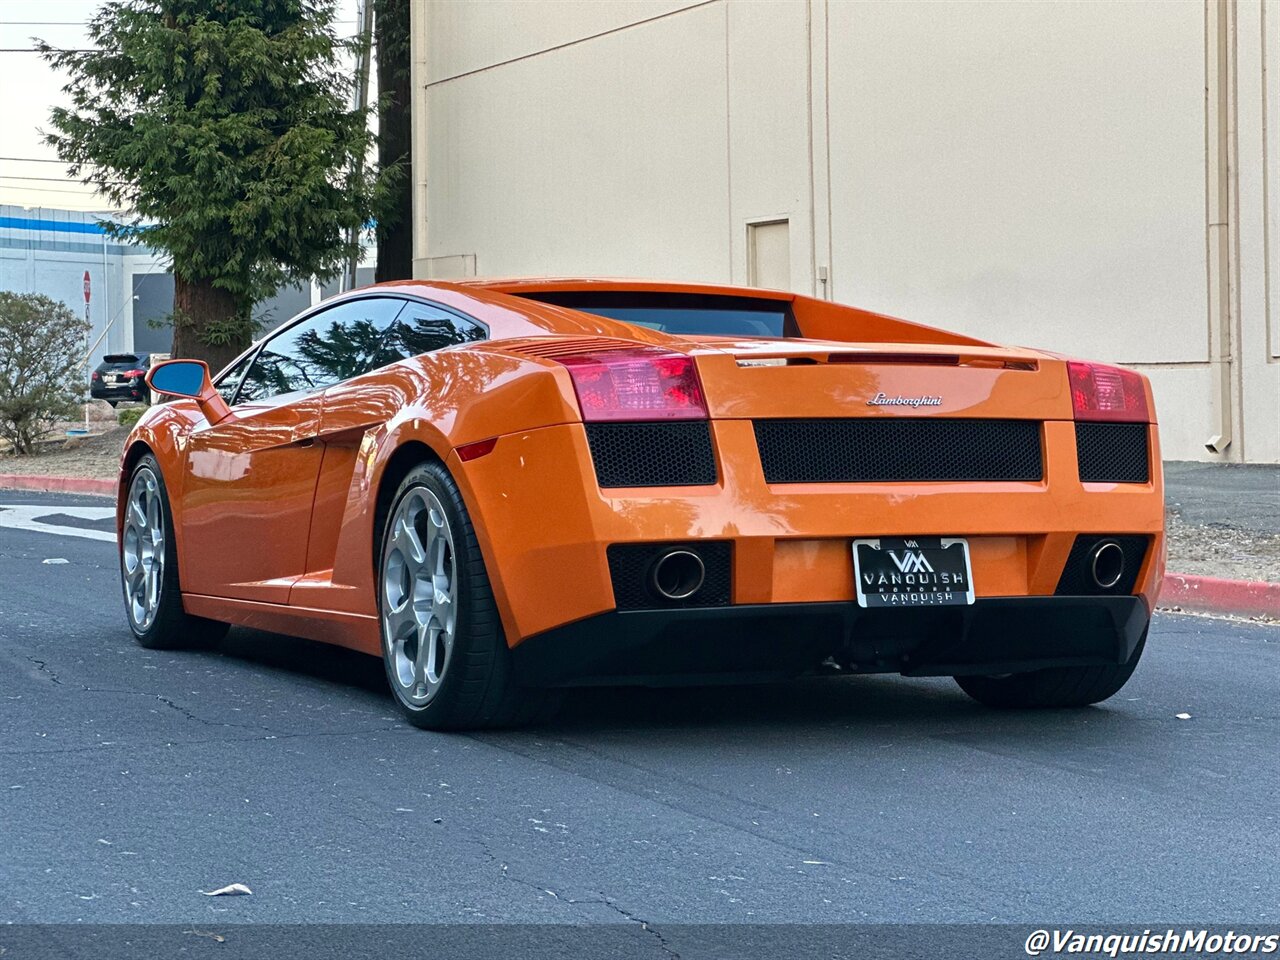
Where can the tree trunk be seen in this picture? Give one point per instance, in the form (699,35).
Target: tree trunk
(198,309)
(395,139)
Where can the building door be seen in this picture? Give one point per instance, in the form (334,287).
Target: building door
(152,306)
(769,254)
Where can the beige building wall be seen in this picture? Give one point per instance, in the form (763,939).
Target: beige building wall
(1042,173)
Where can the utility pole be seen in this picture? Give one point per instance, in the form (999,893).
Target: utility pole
(88,332)
(361,102)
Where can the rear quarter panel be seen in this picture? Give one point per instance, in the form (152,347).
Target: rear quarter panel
(440,401)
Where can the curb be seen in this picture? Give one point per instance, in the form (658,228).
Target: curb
(86,485)
(1244,598)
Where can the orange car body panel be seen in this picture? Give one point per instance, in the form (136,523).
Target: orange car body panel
(275,508)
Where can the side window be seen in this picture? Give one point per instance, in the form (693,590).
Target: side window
(421,328)
(331,346)
(347,340)
(228,382)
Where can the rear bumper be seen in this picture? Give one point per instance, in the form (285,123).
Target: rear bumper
(545,526)
(121,391)
(772,641)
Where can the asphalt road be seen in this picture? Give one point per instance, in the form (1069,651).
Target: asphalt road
(1233,496)
(130,781)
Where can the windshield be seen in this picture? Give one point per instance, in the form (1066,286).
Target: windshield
(681,313)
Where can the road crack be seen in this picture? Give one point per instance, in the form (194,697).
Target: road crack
(504,868)
(600,899)
(172,705)
(42,667)
(645,925)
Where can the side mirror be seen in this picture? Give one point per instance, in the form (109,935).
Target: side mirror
(189,378)
(179,378)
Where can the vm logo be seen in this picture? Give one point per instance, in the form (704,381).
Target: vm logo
(911,562)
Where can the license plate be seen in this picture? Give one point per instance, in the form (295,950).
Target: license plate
(912,572)
(114,378)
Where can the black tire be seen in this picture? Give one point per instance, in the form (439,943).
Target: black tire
(171,628)
(1056,687)
(478,689)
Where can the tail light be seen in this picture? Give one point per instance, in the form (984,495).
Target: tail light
(1100,392)
(645,383)
(135,373)
(97,375)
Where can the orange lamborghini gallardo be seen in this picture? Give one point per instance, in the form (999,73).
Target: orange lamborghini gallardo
(505,488)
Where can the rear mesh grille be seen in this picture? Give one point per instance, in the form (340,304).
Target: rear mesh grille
(898,449)
(1113,452)
(631,563)
(674,454)
(1077,577)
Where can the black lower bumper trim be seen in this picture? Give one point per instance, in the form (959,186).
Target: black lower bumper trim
(770,641)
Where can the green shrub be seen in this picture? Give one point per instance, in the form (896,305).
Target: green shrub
(128,416)
(41,366)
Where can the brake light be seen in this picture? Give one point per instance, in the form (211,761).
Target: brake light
(134,373)
(97,375)
(1100,392)
(644,383)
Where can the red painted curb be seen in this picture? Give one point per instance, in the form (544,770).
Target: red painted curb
(97,488)
(1245,598)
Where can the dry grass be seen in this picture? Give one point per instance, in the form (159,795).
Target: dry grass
(93,456)
(1215,550)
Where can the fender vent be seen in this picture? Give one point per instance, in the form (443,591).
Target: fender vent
(552,348)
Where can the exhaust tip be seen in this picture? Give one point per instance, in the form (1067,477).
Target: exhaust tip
(1107,564)
(677,574)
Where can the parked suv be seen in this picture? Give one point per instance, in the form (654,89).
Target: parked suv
(119,377)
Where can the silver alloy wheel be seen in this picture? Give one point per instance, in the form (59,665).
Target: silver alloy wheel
(142,556)
(419,596)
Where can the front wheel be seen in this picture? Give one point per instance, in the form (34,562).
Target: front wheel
(445,653)
(1054,687)
(149,568)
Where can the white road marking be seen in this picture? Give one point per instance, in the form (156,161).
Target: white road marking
(23,517)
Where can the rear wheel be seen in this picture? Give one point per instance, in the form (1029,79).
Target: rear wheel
(445,653)
(1055,687)
(149,568)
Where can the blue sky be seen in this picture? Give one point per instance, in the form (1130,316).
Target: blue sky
(29,88)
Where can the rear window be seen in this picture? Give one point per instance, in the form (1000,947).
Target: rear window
(681,313)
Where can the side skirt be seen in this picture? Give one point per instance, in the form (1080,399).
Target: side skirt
(353,630)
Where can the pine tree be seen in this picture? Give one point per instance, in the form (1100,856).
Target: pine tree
(395,139)
(226,127)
